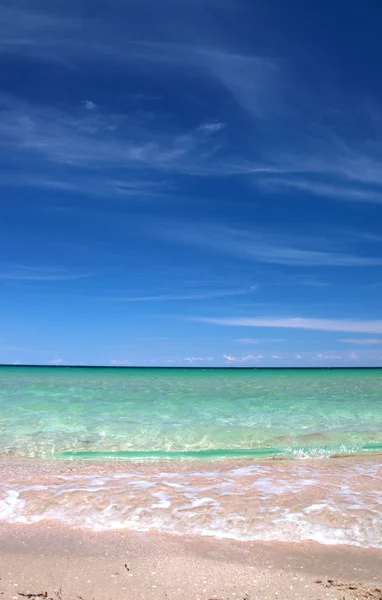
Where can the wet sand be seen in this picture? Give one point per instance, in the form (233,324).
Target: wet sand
(330,501)
(74,563)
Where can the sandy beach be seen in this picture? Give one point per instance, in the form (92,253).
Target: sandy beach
(75,564)
(69,561)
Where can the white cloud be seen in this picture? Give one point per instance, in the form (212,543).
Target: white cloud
(187,359)
(248,357)
(194,359)
(93,138)
(259,340)
(298,357)
(266,246)
(229,357)
(211,127)
(275,357)
(362,341)
(330,190)
(327,357)
(56,361)
(28,273)
(259,86)
(345,325)
(189,296)
(353,356)
(331,157)
(89,105)
(95,185)
(251,80)
(118,362)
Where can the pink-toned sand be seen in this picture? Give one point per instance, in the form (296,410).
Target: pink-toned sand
(75,564)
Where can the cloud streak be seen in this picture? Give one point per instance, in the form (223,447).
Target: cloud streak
(259,341)
(362,341)
(77,141)
(266,246)
(260,86)
(343,325)
(28,273)
(324,190)
(318,153)
(189,296)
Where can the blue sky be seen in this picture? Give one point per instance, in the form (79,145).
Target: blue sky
(191,182)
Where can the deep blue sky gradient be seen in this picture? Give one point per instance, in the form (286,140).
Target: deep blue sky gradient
(191,182)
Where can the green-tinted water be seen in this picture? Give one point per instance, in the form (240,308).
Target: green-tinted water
(188,412)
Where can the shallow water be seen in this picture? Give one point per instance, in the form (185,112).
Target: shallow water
(334,501)
(179,413)
(187,451)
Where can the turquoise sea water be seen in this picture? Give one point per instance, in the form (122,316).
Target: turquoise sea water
(240,417)
(176,413)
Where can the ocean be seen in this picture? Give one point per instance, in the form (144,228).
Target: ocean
(247,454)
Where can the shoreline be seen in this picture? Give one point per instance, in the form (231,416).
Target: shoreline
(112,462)
(329,501)
(76,563)
(124,565)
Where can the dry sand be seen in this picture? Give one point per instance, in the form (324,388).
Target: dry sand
(75,564)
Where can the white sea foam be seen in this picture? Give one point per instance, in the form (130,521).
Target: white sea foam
(282,501)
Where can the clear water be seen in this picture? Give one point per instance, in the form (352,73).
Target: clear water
(218,428)
(329,501)
(179,413)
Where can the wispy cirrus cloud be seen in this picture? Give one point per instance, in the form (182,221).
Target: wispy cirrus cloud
(56,34)
(322,189)
(267,246)
(260,340)
(87,139)
(362,341)
(251,80)
(29,273)
(324,164)
(343,325)
(317,154)
(261,87)
(95,186)
(206,295)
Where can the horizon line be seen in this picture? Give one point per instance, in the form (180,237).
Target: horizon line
(193,368)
